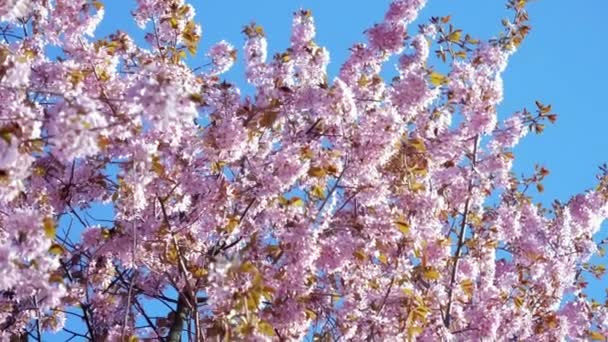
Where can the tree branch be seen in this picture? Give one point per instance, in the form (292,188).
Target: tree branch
(181,315)
(461,238)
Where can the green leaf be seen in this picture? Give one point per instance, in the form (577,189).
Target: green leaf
(431,274)
(56,249)
(266,328)
(402,226)
(318,191)
(296,201)
(437,79)
(359,254)
(454,37)
(316,171)
(467,287)
(173,22)
(49,227)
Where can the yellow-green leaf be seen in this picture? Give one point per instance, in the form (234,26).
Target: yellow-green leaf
(296,201)
(306,153)
(420,312)
(461,54)
(472,41)
(6,135)
(417,144)
(363,81)
(431,274)
(253,300)
(402,226)
(454,37)
(76,76)
(173,22)
(467,287)
(183,10)
(266,328)
(318,191)
(198,272)
(415,187)
(359,254)
(192,49)
(172,254)
(437,79)
(414,331)
(521,4)
(310,314)
(420,171)
(56,249)
(106,233)
(49,227)
(316,171)
(56,277)
(248,267)
(233,222)
(216,167)
(157,166)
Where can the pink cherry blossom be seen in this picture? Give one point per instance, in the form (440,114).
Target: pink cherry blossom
(353,208)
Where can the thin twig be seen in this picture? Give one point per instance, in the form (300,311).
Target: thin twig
(331,192)
(130,293)
(461,238)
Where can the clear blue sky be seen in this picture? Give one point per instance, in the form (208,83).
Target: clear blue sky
(562,63)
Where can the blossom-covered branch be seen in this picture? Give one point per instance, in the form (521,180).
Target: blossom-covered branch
(341,209)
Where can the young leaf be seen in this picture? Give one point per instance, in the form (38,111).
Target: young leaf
(49,227)
(402,226)
(316,171)
(437,79)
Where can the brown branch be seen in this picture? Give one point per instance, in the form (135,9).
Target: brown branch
(147,318)
(333,189)
(132,282)
(181,314)
(246,210)
(461,237)
(184,303)
(87,319)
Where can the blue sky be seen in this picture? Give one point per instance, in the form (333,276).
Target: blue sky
(562,63)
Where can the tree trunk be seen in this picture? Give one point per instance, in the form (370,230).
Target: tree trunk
(181,315)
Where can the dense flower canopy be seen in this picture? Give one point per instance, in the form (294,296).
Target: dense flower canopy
(356,208)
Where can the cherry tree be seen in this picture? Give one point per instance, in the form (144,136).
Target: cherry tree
(356,208)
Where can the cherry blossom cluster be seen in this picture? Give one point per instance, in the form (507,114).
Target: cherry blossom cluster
(353,208)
